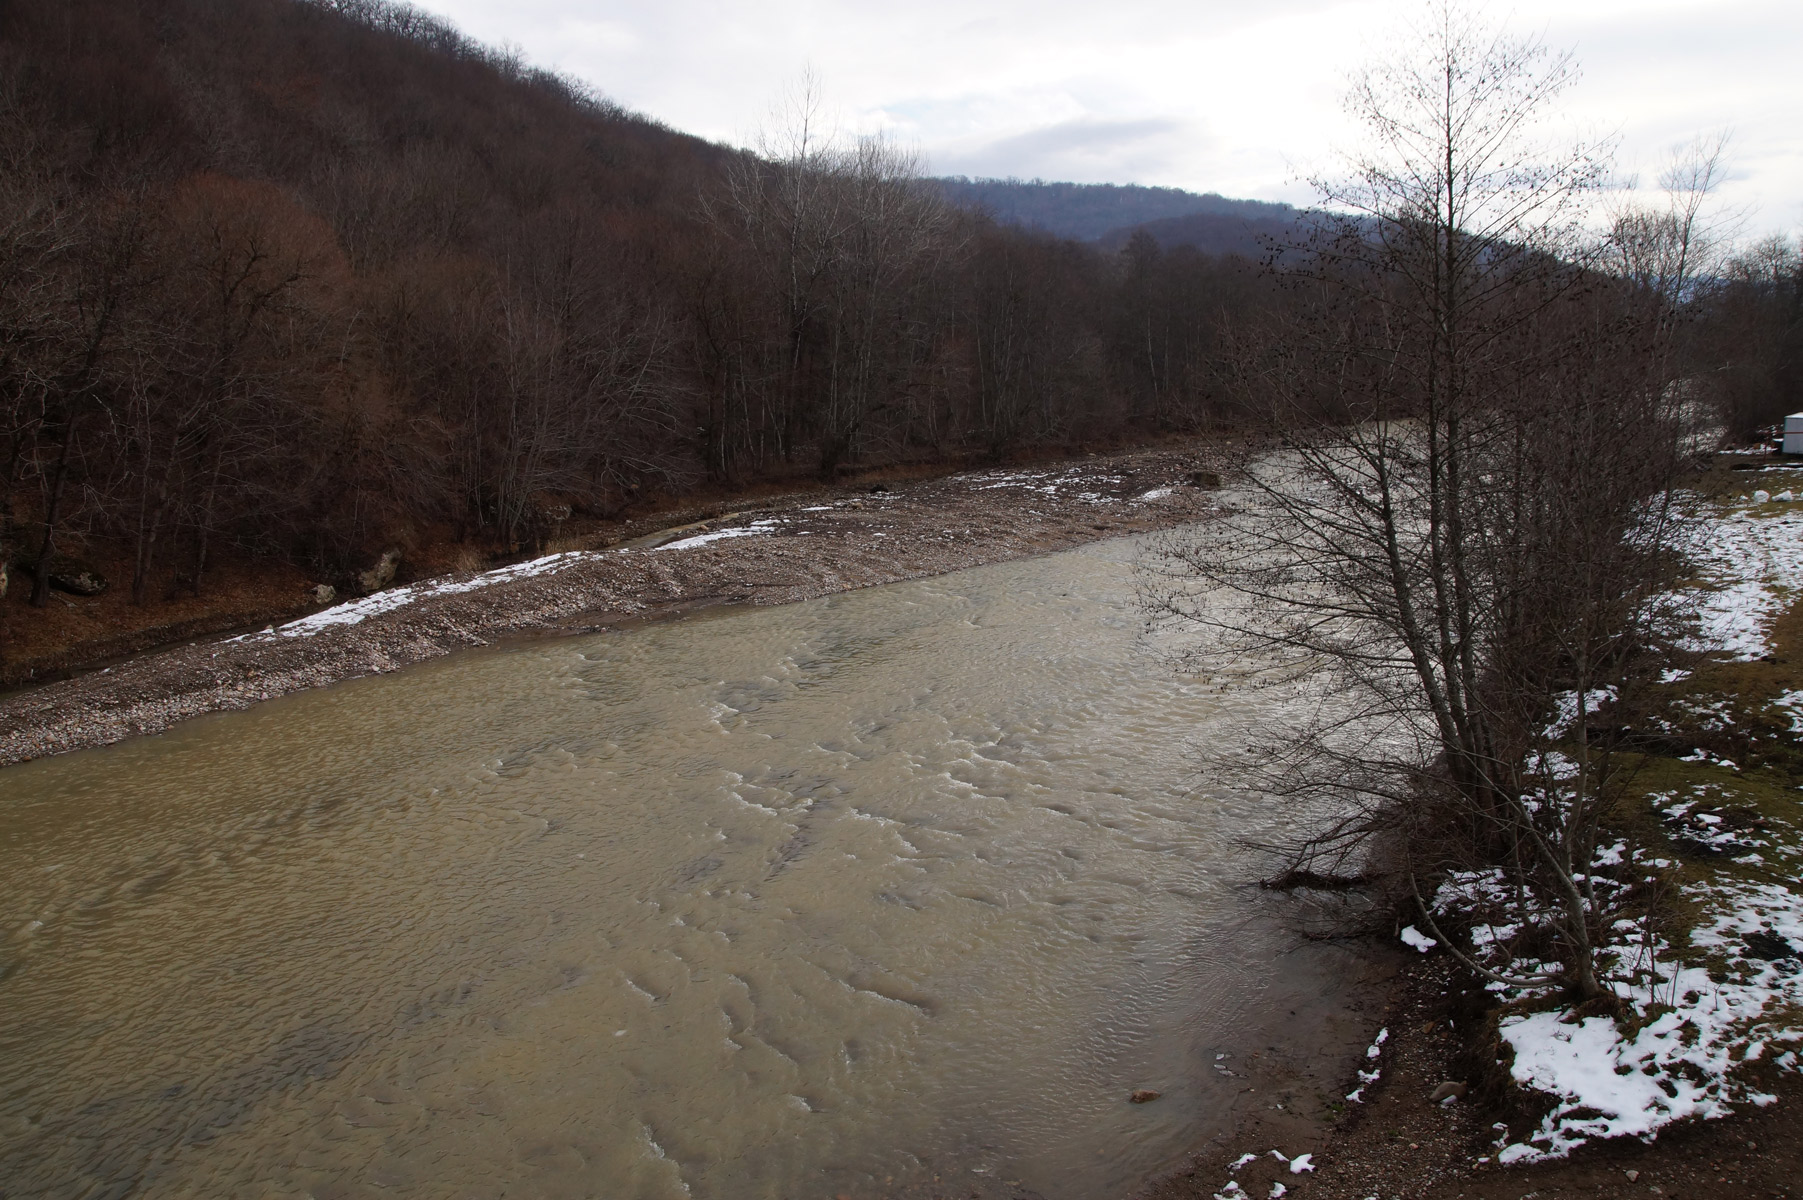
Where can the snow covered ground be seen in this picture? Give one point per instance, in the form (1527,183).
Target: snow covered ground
(1734,993)
(701,539)
(1752,555)
(1706,1019)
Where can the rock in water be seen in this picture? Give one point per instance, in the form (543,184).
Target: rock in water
(1144,1096)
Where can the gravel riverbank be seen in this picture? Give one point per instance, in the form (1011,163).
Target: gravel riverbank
(771,554)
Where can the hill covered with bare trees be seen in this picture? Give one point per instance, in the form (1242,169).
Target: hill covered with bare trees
(1109,213)
(298,278)
(295,281)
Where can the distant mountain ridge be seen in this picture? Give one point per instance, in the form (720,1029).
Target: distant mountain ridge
(1211,233)
(1108,214)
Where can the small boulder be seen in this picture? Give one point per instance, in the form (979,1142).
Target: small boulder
(324,593)
(1450,1090)
(1144,1096)
(382,574)
(1761,496)
(72,575)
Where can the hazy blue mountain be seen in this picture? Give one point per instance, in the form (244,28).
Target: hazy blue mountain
(1211,233)
(1108,212)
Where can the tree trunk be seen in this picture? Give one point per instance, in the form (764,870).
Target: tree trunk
(40,586)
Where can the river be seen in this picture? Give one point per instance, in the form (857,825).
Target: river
(887,893)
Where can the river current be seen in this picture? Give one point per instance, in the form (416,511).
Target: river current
(881,894)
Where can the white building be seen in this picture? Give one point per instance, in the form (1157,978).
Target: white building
(1793,434)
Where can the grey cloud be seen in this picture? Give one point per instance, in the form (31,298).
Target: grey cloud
(1081,149)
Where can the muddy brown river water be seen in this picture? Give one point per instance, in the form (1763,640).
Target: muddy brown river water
(887,893)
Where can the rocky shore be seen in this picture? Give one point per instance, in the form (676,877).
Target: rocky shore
(769,554)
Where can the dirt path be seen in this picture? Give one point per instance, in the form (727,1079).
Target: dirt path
(760,555)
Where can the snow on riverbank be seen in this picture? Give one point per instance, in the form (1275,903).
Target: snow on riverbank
(828,542)
(702,539)
(356,611)
(1733,994)
(1705,1022)
(1075,483)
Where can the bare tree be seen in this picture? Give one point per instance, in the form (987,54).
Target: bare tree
(37,232)
(1035,354)
(107,272)
(844,237)
(896,230)
(1750,336)
(1463,548)
(206,366)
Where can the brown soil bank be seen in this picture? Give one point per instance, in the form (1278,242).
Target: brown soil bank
(769,554)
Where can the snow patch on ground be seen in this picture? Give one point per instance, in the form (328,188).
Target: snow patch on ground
(1566,708)
(755,529)
(1417,940)
(1076,484)
(1792,704)
(1367,1078)
(356,611)
(1754,563)
(1680,1064)
(1233,1189)
(1733,994)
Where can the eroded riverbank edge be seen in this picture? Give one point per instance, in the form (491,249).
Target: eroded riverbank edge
(760,555)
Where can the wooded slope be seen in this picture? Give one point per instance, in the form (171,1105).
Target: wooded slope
(301,277)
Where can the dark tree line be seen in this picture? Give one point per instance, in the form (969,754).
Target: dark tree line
(285,277)
(1749,332)
(303,278)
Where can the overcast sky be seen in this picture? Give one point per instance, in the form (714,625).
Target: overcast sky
(1239,97)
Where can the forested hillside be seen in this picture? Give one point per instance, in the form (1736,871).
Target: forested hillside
(1214,233)
(1103,211)
(292,281)
(295,278)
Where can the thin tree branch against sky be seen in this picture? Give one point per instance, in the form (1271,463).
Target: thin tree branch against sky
(1214,95)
